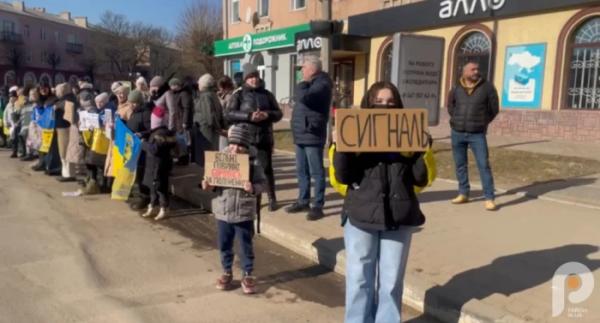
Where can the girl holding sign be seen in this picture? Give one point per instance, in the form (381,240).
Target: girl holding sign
(380,211)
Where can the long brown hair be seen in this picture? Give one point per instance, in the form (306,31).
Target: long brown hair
(368,100)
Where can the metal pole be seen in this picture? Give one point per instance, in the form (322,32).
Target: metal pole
(326,41)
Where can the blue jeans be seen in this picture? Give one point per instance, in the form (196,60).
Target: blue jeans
(309,163)
(461,141)
(227,233)
(375,266)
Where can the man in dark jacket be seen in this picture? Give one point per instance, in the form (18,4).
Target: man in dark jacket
(309,127)
(139,123)
(473,104)
(256,106)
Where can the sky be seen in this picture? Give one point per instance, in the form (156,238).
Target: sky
(164,13)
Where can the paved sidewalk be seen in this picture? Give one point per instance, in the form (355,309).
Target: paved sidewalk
(583,191)
(466,264)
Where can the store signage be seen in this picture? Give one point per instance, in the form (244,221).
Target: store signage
(278,38)
(417,71)
(306,44)
(453,8)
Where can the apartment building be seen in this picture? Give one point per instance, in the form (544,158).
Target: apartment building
(543,56)
(36,45)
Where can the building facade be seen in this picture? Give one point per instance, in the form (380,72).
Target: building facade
(543,56)
(36,45)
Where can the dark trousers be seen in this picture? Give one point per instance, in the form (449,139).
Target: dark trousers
(227,233)
(140,191)
(265,159)
(18,143)
(159,192)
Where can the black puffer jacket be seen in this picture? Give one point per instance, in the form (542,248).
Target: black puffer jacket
(380,189)
(473,113)
(139,122)
(311,110)
(247,100)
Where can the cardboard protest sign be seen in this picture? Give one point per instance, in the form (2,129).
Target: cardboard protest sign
(226,170)
(88,121)
(69,112)
(381,130)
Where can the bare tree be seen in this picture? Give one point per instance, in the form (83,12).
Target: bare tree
(13,55)
(199,26)
(54,60)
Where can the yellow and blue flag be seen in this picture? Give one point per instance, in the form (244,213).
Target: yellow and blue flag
(45,119)
(126,152)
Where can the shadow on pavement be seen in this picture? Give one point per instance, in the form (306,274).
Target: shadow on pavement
(505,275)
(541,188)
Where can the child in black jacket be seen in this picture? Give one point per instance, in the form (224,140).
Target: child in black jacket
(159,162)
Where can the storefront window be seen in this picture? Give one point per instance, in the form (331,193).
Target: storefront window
(584,67)
(296,74)
(474,47)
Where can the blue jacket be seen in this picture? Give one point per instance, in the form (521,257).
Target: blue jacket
(311,110)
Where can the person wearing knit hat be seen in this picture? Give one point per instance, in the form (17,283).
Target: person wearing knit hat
(249,71)
(175,82)
(159,163)
(157,81)
(240,135)
(101,100)
(136,97)
(257,107)
(235,210)
(114,86)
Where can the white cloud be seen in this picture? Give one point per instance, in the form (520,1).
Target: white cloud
(525,60)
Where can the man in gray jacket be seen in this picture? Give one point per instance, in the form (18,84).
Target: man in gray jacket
(473,105)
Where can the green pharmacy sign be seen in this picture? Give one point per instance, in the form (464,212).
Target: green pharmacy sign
(278,38)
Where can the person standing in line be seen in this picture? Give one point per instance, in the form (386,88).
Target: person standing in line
(142,86)
(256,106)
(11,119)
(310,116)
(225,91)
(48,162)
(65,97)
(208,115)
(380,212)
(139,123)
(184,109)
(473,105)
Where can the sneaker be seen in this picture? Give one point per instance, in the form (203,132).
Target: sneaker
(161,214)
(314,214)
(38,168)
(273,205)
(249,285)
(149,212)
(490,205)
(27,158)
(460,199)
(224,282)
(297,208)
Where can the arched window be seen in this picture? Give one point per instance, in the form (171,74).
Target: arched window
(59,78)
(29,79)
(476,47)
(10,78)
(583,87)
(258,60)
(385,72)
(45,78)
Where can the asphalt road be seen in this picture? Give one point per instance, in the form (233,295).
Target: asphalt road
(90,259)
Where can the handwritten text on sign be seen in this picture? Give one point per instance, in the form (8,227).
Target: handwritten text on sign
(381,130)
(226,170)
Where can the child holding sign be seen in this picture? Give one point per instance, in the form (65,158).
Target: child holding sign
(235,210)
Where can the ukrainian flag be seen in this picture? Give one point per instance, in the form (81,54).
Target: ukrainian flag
(126,152)
(45,120)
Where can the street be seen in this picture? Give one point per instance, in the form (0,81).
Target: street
(90,259)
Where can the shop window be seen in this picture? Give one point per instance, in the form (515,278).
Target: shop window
(474,47)
(296,75)
(583,87)
(29,79)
